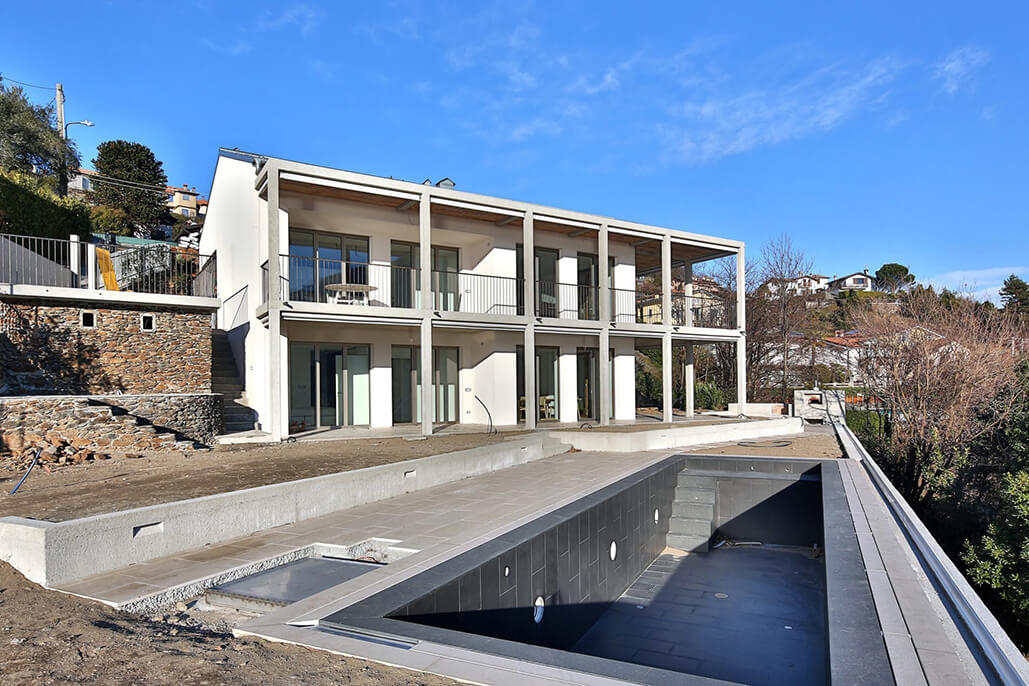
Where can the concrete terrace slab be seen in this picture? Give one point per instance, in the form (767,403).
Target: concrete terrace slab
(438,522)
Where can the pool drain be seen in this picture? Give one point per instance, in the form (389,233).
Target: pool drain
(721,596)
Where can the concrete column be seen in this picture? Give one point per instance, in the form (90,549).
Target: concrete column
(529,266)
(425,285)
(741,291)
(667,390)
(425,251)
(567,392)
(428,379)
(688,305)
(741,372)
(666,280)
(277,423)
(604,303)
(531,402)
(529,298)
(604,363)
(741,325)
(688,381)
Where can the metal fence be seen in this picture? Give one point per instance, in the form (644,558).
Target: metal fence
(476,293)
(155,268)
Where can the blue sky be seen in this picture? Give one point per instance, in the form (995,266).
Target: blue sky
(874,133)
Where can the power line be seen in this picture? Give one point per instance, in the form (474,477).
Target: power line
(131,187)
(22,83)
(115,179)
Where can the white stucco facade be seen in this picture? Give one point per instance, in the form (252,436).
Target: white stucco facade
(372,269)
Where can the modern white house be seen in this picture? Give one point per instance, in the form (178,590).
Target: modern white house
(354,300)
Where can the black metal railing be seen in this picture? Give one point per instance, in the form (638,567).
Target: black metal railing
(567,300)
(313,279)
(703,311)
(476,293)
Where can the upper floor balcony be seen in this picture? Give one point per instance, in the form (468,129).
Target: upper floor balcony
(366,284)
(147,268)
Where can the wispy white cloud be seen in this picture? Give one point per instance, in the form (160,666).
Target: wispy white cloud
(983,284)
(300,16)
(956,71)
(726,124)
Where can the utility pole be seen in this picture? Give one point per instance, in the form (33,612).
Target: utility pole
(62,172)
(60,111)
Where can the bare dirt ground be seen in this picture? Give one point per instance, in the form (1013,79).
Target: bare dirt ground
(810,444)
(71,491)
(48,637)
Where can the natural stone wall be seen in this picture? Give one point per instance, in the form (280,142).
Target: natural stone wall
(45,349)
(112,424)
(197,417)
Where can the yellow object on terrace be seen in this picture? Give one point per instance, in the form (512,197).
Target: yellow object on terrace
(103,261)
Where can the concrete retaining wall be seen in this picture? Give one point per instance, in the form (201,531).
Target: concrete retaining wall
(677,436)
(52,553)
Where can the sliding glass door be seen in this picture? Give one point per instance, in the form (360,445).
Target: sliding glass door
(446,268)
(404,271)
(445,377)
(328,385)
(407,384)
(318,259)
(586,373)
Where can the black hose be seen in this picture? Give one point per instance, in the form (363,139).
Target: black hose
(29,471)
(490,430)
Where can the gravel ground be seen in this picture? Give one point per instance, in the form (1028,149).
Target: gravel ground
(48,637)
(71,491)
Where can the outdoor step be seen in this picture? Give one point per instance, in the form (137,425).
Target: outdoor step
(689,543)
(687,479)
(695,510)
(692,494)
(690,526)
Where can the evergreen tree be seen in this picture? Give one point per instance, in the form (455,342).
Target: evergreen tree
(142,197)
(893,277)
(1015,295)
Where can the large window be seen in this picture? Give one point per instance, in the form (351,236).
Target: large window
(317,260)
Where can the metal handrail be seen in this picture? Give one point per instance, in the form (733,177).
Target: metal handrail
(160,268)
(455,291)
(567,300)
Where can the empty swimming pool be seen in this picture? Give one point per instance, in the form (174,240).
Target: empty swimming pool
(605,586)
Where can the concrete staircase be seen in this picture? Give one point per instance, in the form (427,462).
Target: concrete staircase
(693,513)
(236,416)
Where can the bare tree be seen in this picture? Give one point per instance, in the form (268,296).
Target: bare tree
(946,373)
(781,264)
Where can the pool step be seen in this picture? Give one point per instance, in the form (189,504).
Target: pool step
(693,513)
(694,510)
(689,542)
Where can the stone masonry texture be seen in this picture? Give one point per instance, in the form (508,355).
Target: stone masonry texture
(44,349)
(113,424)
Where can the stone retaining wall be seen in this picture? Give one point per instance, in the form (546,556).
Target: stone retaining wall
(196,416)
(45,348)
(112,424)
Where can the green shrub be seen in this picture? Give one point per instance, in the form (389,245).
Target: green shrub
(29,207)
(707,396)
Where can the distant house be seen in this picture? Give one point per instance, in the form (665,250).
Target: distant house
(809,284)
(858,281)
(184,201)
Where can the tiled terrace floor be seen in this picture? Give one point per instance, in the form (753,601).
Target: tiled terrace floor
(438,522)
